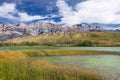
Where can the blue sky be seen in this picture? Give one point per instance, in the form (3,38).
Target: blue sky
(68,12)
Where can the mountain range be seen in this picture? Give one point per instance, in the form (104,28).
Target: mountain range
(9,31)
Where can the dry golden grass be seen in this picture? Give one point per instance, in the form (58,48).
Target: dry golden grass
(18,66)
(9,56)
(65,73)
(66,52)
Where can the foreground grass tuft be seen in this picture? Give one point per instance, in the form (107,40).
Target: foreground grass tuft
(18,66)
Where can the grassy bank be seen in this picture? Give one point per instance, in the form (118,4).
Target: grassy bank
(68,39)
(18,66)
(66,52)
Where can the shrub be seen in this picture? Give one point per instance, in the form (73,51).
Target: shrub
(27,43)
(84,43)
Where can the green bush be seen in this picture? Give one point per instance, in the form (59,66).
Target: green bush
(84,43)
(27,43)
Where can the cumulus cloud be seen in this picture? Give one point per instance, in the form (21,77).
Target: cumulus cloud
(90,11)
(9,11)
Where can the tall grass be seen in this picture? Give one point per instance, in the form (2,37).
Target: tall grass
(18,66)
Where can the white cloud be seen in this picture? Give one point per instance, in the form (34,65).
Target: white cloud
(8,10)
(49,21)
(90,11)
(25,17)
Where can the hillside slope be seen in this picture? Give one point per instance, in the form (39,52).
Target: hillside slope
(70,39)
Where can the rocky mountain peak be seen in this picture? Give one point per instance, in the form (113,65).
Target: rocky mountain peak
(22,25)
(8,31)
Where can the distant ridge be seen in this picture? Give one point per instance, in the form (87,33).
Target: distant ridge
(9,31)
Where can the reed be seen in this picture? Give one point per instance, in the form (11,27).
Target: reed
(18,66)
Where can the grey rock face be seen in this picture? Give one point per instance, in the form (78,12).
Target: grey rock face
(8,31)
(40,28)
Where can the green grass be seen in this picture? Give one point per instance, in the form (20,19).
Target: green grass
(69,39)
(16,65)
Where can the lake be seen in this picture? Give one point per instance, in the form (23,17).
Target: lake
(63,48)
(107,65)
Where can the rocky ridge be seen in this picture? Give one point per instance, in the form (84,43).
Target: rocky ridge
(9,31)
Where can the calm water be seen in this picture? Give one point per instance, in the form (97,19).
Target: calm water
(63,48)
(107,65)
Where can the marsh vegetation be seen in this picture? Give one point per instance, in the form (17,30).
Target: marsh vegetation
(18,66)
(59,63)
